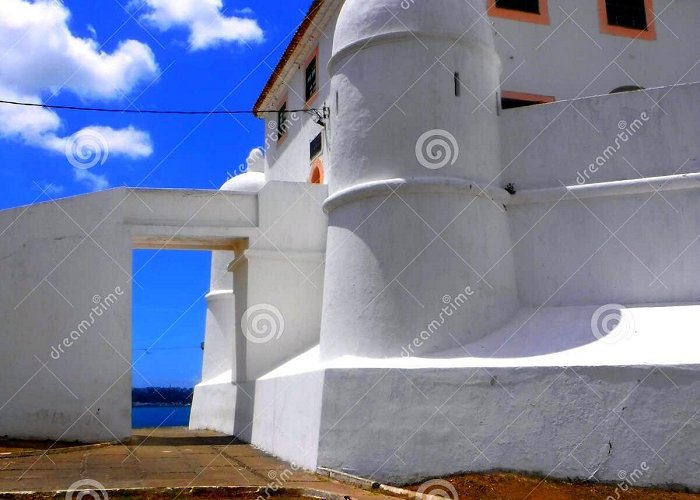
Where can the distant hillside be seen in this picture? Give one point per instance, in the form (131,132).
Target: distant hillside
(179,396)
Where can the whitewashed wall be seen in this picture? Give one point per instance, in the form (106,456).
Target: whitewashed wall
(289,159)
(624,243)
(568,58)
(572,58)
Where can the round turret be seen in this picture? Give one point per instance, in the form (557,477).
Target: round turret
(361,20)
(416,88)
(253,179)
(415,212)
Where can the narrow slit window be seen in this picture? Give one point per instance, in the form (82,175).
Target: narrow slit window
(282,121)
(316,146)
(311,78)
(458,85)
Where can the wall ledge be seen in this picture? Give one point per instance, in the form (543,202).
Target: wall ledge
(413,185)
(628,187)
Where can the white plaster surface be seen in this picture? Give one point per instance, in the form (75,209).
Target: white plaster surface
(401,426)
(82,390)
(538,59)
(366,372)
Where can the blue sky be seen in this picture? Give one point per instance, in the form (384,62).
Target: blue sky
(144,54)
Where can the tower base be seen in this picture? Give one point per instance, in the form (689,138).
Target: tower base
(403,420)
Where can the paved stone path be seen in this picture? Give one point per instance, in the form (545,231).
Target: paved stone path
(173,457)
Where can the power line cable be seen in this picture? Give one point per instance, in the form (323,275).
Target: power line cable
(166,348)
(156,111)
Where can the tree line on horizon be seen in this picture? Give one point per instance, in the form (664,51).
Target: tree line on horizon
(180,396)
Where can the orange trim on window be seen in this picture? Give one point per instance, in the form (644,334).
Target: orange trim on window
(647,34)
(523,96)
(311,100)
(517,15)
(317,175)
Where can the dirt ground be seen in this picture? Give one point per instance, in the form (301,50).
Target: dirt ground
(8,446)
(504,486)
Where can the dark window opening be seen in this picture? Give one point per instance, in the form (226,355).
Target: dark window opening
(311,79)
(458,85)
(626,88)
(627,14)
(512,103)
(282,121)
(532,6)
(316,147)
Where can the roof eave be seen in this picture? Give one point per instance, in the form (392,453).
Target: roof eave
(318,9)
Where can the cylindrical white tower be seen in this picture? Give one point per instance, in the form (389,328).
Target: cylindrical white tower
(214,398)
(418,256)
(221,311)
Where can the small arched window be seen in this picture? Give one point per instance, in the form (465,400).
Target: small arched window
(317,174)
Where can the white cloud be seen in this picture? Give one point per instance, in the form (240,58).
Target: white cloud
(40,55)
(93,182)
(51,189)
(128,142)
(206,21)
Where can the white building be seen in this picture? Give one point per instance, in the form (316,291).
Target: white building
(568,50)
(416,279)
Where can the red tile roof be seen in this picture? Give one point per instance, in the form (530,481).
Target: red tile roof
(289,52)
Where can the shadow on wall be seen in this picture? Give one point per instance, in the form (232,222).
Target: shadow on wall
(551,330)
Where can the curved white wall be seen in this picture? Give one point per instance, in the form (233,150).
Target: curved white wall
(386,266)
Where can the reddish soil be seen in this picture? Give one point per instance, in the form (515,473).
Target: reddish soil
(504,486)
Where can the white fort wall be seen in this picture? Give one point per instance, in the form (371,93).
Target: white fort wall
(571,58)
(546,392)
(606,241)
(288,158)
(52,277)
(65,302)
(536,59)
